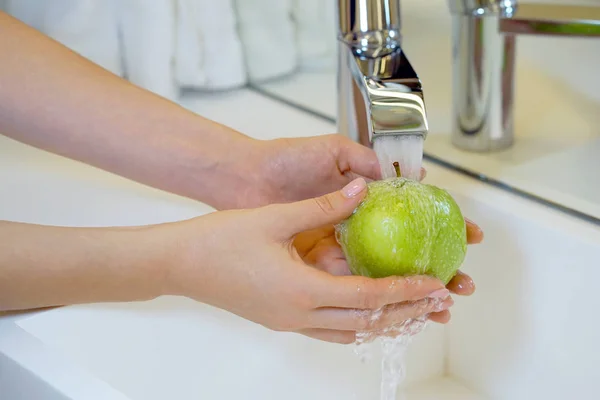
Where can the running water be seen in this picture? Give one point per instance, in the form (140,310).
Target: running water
(407,151)
(394,342)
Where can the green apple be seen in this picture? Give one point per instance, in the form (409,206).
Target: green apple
(404,228)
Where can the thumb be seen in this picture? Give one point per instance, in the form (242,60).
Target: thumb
(314,213)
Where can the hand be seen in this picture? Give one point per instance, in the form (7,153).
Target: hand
(319,248)
(301,168)
(244,261)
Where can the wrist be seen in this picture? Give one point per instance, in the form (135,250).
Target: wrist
(220,157)
(150,254)
(194,249)
(178,247)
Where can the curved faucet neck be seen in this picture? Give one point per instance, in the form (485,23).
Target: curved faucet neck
(379,92)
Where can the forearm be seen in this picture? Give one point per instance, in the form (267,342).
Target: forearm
(43,266)
(56,100)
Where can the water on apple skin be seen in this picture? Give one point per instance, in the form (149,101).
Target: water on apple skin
(394,341)
(407,150)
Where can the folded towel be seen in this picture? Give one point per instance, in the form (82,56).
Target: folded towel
(268,34)
(165,45)
(148,38)
(209,53)
(316,32)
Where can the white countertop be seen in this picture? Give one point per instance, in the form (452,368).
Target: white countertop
(111,345)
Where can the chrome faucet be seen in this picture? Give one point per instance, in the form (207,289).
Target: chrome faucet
(379,92)
(484,40)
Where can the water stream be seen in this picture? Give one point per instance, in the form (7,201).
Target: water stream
(407,151)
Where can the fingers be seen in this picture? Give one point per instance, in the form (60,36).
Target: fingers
(461,284)
(370,294)
(474,232)
(333,264)
(350,176)
(330,335)
(442,317)
(369,320)
(358,159)
(293,218)
(328,256)
(349,336)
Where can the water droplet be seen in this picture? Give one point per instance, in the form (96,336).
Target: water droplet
(438,304)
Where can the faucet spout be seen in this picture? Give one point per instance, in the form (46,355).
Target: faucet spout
(379,92)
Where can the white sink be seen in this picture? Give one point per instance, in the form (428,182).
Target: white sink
(528,333)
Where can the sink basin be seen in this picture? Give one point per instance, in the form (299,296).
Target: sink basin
(528,332)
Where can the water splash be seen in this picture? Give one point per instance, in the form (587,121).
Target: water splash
(394,342)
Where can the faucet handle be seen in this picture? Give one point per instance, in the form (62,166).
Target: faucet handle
(370,27)
(357,17)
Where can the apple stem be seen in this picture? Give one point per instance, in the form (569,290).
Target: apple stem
(397,168)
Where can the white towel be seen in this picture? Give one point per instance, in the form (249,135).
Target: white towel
(316,30)
(209,53)
(88,27)
(148,39)
(161,45)
(165,45)
(268,34)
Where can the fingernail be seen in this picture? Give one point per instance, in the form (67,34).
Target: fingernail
(439,294)
(354,188)
(473,224)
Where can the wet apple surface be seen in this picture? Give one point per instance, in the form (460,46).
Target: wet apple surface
(404,228)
